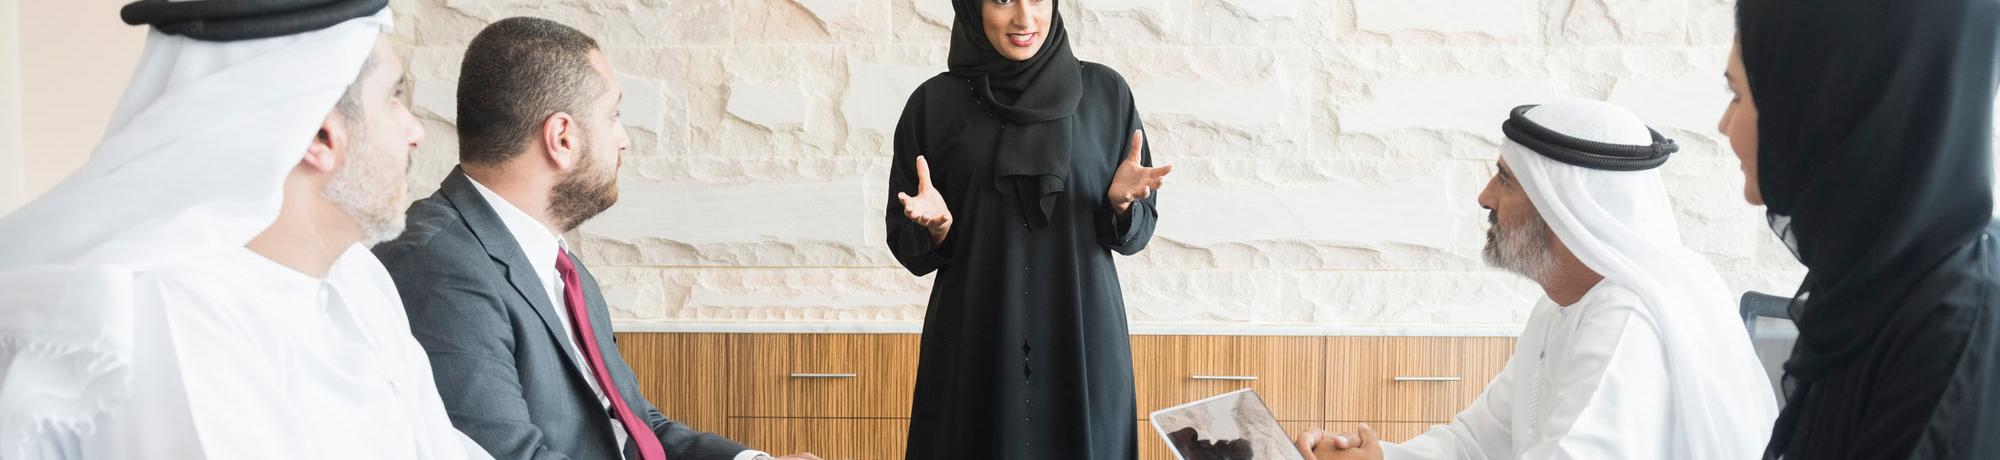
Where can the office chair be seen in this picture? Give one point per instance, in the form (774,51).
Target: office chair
(1768,319)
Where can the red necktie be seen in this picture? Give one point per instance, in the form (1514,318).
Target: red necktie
(579,317)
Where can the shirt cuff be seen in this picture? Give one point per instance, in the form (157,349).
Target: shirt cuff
(1121,230)
(750,455)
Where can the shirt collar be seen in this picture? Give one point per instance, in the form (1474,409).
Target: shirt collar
(537,243)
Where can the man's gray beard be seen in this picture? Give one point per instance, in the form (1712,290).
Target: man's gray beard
(365,189)
(1524,251)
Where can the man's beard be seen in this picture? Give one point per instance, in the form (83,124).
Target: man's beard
(582,193)
(1524,250)
(368,189)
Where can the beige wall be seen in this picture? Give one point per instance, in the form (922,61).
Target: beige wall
(12,179)
(75,58)
(1328,152)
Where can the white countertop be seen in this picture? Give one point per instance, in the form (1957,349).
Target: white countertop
(805,327)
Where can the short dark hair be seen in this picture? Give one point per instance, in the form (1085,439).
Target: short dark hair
(516,73)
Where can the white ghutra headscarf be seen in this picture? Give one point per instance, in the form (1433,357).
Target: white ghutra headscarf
(1621,225)
(194,160)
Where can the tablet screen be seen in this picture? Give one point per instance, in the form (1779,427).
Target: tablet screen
(1230,426)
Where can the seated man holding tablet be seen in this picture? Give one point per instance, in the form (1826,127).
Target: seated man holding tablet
(1637,352)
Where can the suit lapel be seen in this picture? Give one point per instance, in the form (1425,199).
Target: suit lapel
(501,246)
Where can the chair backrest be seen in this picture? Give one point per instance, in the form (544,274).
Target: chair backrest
(1772,334)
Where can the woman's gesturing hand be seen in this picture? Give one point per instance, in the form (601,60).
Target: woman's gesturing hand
(1135,181)
(927,208)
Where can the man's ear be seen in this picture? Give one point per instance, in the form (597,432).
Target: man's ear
(560,137)
(328,145)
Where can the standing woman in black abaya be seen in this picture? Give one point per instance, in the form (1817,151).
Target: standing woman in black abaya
(1865,127)
(1017,174)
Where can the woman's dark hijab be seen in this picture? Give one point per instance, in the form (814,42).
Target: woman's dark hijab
(1874,157)
(1032,99)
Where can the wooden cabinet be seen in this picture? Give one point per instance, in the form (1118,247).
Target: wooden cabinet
(1151,447)
(1407,379)
(1388,431)
(829,438)
(840,396)
(1156,366)
(847,396)
(824,375)
(1286,371)
(778,436)
(1481,358)
(685,375)
(853,439)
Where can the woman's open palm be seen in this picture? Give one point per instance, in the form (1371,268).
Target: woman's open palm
(927,208)
(1135,181)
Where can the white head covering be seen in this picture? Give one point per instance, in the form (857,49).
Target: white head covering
(194,161)
(1621,225)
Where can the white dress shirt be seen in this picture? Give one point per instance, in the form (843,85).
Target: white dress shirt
(543,246)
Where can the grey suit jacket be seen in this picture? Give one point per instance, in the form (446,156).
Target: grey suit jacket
(508,379)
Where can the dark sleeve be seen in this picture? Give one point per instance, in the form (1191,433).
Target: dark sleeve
(682,442)
(909,241)
(1129,234)
(465,331)
(1904,402)
(1923,394)
(1963,426)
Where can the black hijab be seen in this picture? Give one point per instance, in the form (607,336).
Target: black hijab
(1032,99)
(1874,156)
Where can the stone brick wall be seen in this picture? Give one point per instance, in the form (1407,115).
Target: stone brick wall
(1327,152)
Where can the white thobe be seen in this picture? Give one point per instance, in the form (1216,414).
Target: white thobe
(1586,381)
(237,356)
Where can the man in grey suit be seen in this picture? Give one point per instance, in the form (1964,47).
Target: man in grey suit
(517,333)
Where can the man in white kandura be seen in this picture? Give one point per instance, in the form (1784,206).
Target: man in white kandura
(199,288)
(1637,352)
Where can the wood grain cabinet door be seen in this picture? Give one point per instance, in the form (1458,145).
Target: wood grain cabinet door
(1288,372)
(1388,431)
(1157,364)
(852,439)
(824,375)
(777,436)
(847,396)
(1395,379)
(829,438)
(1481,359)
(685,375)
(1151,446)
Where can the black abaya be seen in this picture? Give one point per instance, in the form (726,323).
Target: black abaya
(1875,156)
(1025,352)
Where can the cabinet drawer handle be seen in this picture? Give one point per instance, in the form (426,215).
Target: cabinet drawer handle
(800,375)
(1241,378)
(1404,378)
